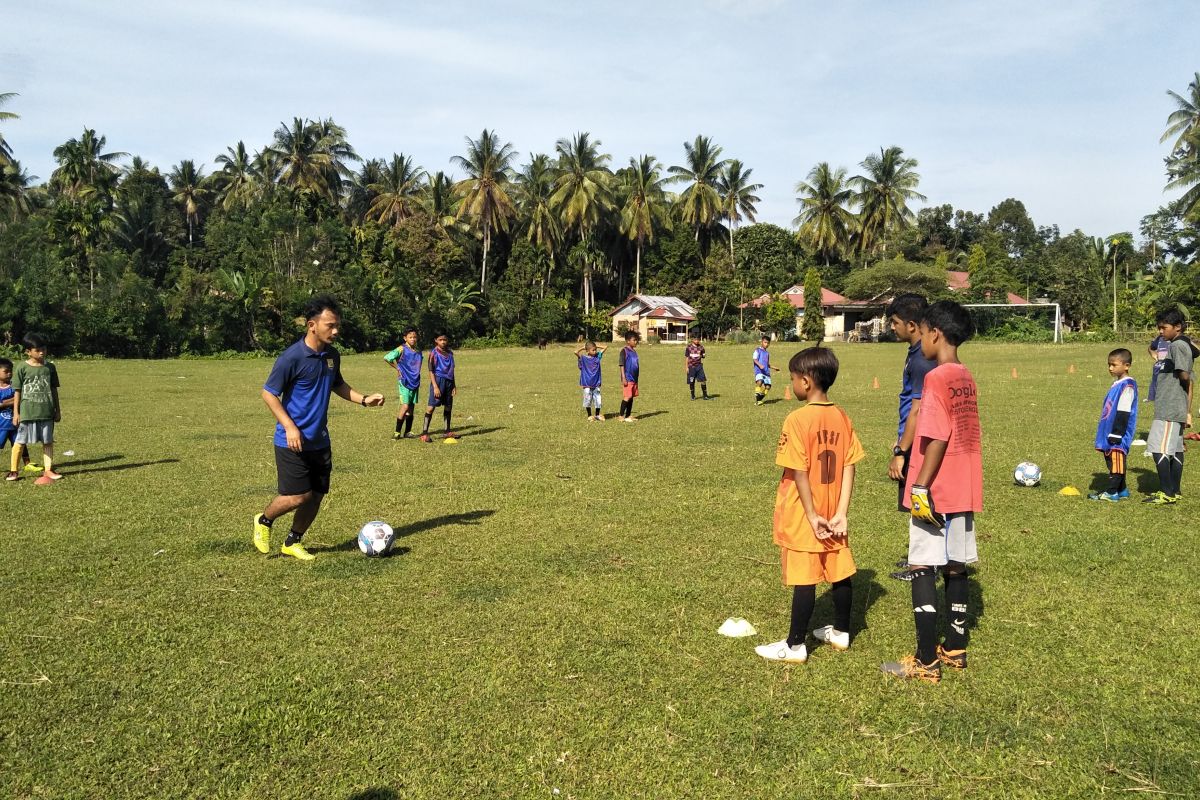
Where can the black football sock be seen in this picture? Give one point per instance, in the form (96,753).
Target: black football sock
(629,409)
(447,411)
(1177,473)
(597,411)
(263,519)
(692,389)
(956,602)
(399,424)
(924,600)
(803,600)
(428,419)
(408,419)
(588,410)
(1163,464)
(758,397)
(704,389)
(293,537)
(843,596)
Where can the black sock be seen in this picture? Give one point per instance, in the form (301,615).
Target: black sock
(956,603)
(624,403)
(293,537)
(264,520)
(1163,462)
(399,424)
(588,410)
(843,596)
(924,600)
(704,389)
(758,397)
(692,389)
(629,408)
(597,411)
(408,418)
(1177,473)
(446,415)
(803,600)
(428,419)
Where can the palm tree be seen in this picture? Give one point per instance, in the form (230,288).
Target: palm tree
(824,220)
(883,195)
(15,192)
(484,194)
(236,182)
(700,203)
(83,168)
(1183,120)
(397,191)
(190,192)
(1183,168)
(535,187)
(646,206)
(582,195)
(6,153)
(360,196)
(737,198)
(439,199)
(312,157)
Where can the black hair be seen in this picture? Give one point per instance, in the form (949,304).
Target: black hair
(908,307)
(951,319)
(34,341)
(818,363)
(5,364)
(632,335)
(407,331)
(1170,316)
(765,337)
(318,304)
(1122,355)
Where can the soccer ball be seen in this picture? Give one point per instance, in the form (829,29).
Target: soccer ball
(375,538)
(1027,473)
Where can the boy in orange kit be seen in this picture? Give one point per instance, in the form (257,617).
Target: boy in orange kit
(817,450)
(945,490)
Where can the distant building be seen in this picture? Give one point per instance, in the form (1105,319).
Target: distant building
(664,317)
(958,281)
(840,313)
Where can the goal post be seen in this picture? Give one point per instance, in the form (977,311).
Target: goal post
(1058,331)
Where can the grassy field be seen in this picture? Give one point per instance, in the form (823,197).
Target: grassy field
(547,624)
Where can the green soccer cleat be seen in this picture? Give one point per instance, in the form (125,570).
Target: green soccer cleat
(1160,499)
(31,467)
(297,551)
(262,535)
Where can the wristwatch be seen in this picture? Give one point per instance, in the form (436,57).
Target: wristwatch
(896,451)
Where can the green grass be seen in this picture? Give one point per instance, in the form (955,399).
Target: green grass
(549,618)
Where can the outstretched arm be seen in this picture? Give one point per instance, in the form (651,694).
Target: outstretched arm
(345,392)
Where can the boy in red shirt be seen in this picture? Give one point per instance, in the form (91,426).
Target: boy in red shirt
(945,489)
(817,450)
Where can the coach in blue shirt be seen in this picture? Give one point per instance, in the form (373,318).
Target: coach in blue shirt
(297,392)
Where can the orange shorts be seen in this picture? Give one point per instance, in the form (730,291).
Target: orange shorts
(801,568)
(629,390)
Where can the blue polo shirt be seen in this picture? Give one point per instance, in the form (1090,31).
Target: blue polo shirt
(916,367)
(303,378)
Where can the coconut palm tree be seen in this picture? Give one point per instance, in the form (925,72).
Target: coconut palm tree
(646,206)
(700,203)
(6,153)
(1184,119)
(824,220)
(484,192)
(535,187)
(16,196)
(398,191)
(84,168)
(882,196)
(439,199)
(312,157)
(190,192)
(737,197)
(236,182)
(582,197)
(1183,169)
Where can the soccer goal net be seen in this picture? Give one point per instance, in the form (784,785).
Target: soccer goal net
(1028,322)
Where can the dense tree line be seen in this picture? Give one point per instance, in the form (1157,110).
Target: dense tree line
(112,255)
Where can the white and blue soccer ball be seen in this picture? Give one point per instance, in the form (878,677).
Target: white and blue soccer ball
(376,538)
(1027,473)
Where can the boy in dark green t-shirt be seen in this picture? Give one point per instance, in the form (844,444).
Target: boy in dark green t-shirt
(35,407)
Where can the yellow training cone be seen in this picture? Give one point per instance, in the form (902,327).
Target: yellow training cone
(1069,491)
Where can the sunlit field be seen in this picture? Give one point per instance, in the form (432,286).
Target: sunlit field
(546,624)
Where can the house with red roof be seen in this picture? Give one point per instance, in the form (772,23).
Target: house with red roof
(841,313)
(664,317)
(957,281)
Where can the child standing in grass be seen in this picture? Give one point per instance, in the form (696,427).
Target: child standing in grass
(441,384)
(35,407)
(817,450)
(1118,423)
(762,370)
(1172,404)
(945,490)
(630,369)
(407,360)
(8,431)
(588,358)
(693,361)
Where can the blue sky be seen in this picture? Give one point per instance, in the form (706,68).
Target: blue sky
(1058,103)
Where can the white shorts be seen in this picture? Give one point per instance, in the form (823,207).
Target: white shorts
(931,546)
(34,432)
(1165,438)
(591,396)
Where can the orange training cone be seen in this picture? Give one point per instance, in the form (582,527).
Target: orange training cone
(875,383)
(787,393)
(1071,370)
(1014,373)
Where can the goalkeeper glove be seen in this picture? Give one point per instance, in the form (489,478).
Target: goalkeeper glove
(921,506)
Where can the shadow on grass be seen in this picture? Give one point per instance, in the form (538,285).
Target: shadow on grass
(72,463)
(650,414)
(772,401)
(475,430)
(1147,480)
(466,518)
(1099,482)
(377,793)
(867,592)
(69,469)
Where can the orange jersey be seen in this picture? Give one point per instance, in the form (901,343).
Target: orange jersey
(817,439)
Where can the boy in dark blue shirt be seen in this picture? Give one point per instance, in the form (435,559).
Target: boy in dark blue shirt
(588,358)
(297,392)
(629,375)
(441,385)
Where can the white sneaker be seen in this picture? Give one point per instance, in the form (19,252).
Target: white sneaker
(629,419)
(838,640)
(779,651)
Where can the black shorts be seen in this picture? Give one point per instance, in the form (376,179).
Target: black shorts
(900,498)
(696,373)
(8,437)
(445,388)
(303,472)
